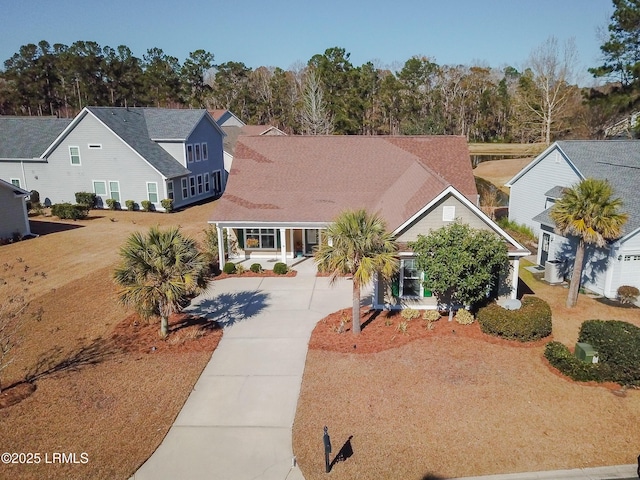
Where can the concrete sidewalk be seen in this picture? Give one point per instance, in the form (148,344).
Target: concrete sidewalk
(236,424)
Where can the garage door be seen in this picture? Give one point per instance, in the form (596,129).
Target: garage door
(630,270)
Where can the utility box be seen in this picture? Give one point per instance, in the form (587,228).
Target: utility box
(586,353)
(552,271)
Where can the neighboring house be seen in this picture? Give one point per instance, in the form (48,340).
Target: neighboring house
(14,220)
(120,153)
(284,191)
(226,118)
(536,188)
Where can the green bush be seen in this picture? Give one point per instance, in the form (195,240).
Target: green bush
(280,268)
(464,317)
(131,205)
(113,204)
(628,294)
(229,268)
(561,358)
(147,206)
(86,198)
(531,322)
(167,204)
(618,346)
(68,211)
(256,268)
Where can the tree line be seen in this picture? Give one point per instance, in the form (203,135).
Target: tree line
(330,95)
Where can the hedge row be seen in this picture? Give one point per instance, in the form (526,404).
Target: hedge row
(69,211)
(531,322)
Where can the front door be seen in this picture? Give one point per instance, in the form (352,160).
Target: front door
(544,251)
(312,238)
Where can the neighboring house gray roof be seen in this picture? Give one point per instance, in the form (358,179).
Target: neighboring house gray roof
(556,192)
(28,137)
(131,125)
(617,161)
(171,124)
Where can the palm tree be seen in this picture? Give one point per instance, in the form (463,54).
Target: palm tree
(358,245)
(157,273)
(587,211)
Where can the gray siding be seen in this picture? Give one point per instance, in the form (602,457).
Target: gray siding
(12,214)
(58,180)
(13,169)
(432,219)
(527,198)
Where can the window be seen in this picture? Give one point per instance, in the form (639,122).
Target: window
(189,153)
(74,155)
(170,189)
(259,238)
(199,184)
(15,182)
(409,279)
(114,191)
(631,258)
(152,192)
(205,152)
(207,184)
(197,152)
(185,188)
(100,188)
(448,213)
(217,181)
(95,146)
(192,186)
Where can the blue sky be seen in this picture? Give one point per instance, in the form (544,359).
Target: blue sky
(282,33)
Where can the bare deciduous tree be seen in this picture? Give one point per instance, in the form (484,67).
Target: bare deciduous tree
(315,118)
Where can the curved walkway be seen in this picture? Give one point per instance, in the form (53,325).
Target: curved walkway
(236,423)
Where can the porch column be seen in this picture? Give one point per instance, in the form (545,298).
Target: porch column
(283,245)
(220,246)
(228,229)
(514,278)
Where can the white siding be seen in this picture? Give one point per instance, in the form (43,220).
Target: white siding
(13,214)
(527,198)
(626,271)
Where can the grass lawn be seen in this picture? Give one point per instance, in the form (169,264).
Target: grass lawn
(101,386)
(453,402)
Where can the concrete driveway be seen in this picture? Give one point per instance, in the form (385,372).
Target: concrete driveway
(236,424)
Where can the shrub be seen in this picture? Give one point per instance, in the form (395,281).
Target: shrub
(256,268)
(131,205)
(112,204)
(628,294)
(87,199)
(431,315)
(618,347)
(167,204)
(240,269)
(280,268)
(34,196)
(409,313)
(531,322)
(561,358)
(464,317)
(69,211)
(229,268)
(147,206)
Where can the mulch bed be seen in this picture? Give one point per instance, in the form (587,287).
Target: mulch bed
(249,273)
(380,332)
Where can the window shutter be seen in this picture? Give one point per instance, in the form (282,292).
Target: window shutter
(425,291)
(278,243)
(241,238)
(395,286)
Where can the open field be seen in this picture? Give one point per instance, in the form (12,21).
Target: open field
(110,396)
(507,149)
(455,402)
(500,172)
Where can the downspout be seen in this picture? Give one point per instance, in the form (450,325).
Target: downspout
(220,246)
(24,176)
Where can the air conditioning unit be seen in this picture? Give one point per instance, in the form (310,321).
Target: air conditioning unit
(553,272)
(586,353)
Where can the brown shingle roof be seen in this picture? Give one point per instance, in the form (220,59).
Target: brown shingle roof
(314,178)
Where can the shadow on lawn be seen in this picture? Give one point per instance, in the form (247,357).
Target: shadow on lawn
(55,361)
(228,309)
(432,476)
(345,452)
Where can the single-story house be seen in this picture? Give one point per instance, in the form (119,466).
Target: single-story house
(119,153)
(14,220)
(283,191)
(536,188)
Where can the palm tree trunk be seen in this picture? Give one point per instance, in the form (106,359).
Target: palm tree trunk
(576,276)
(164,326)
(355,311)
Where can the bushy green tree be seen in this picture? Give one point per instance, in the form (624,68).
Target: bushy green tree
(361,247)
(157,273)
(461,264)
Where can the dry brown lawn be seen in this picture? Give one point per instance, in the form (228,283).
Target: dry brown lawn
(500,172)
(101,386)
(454,402)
